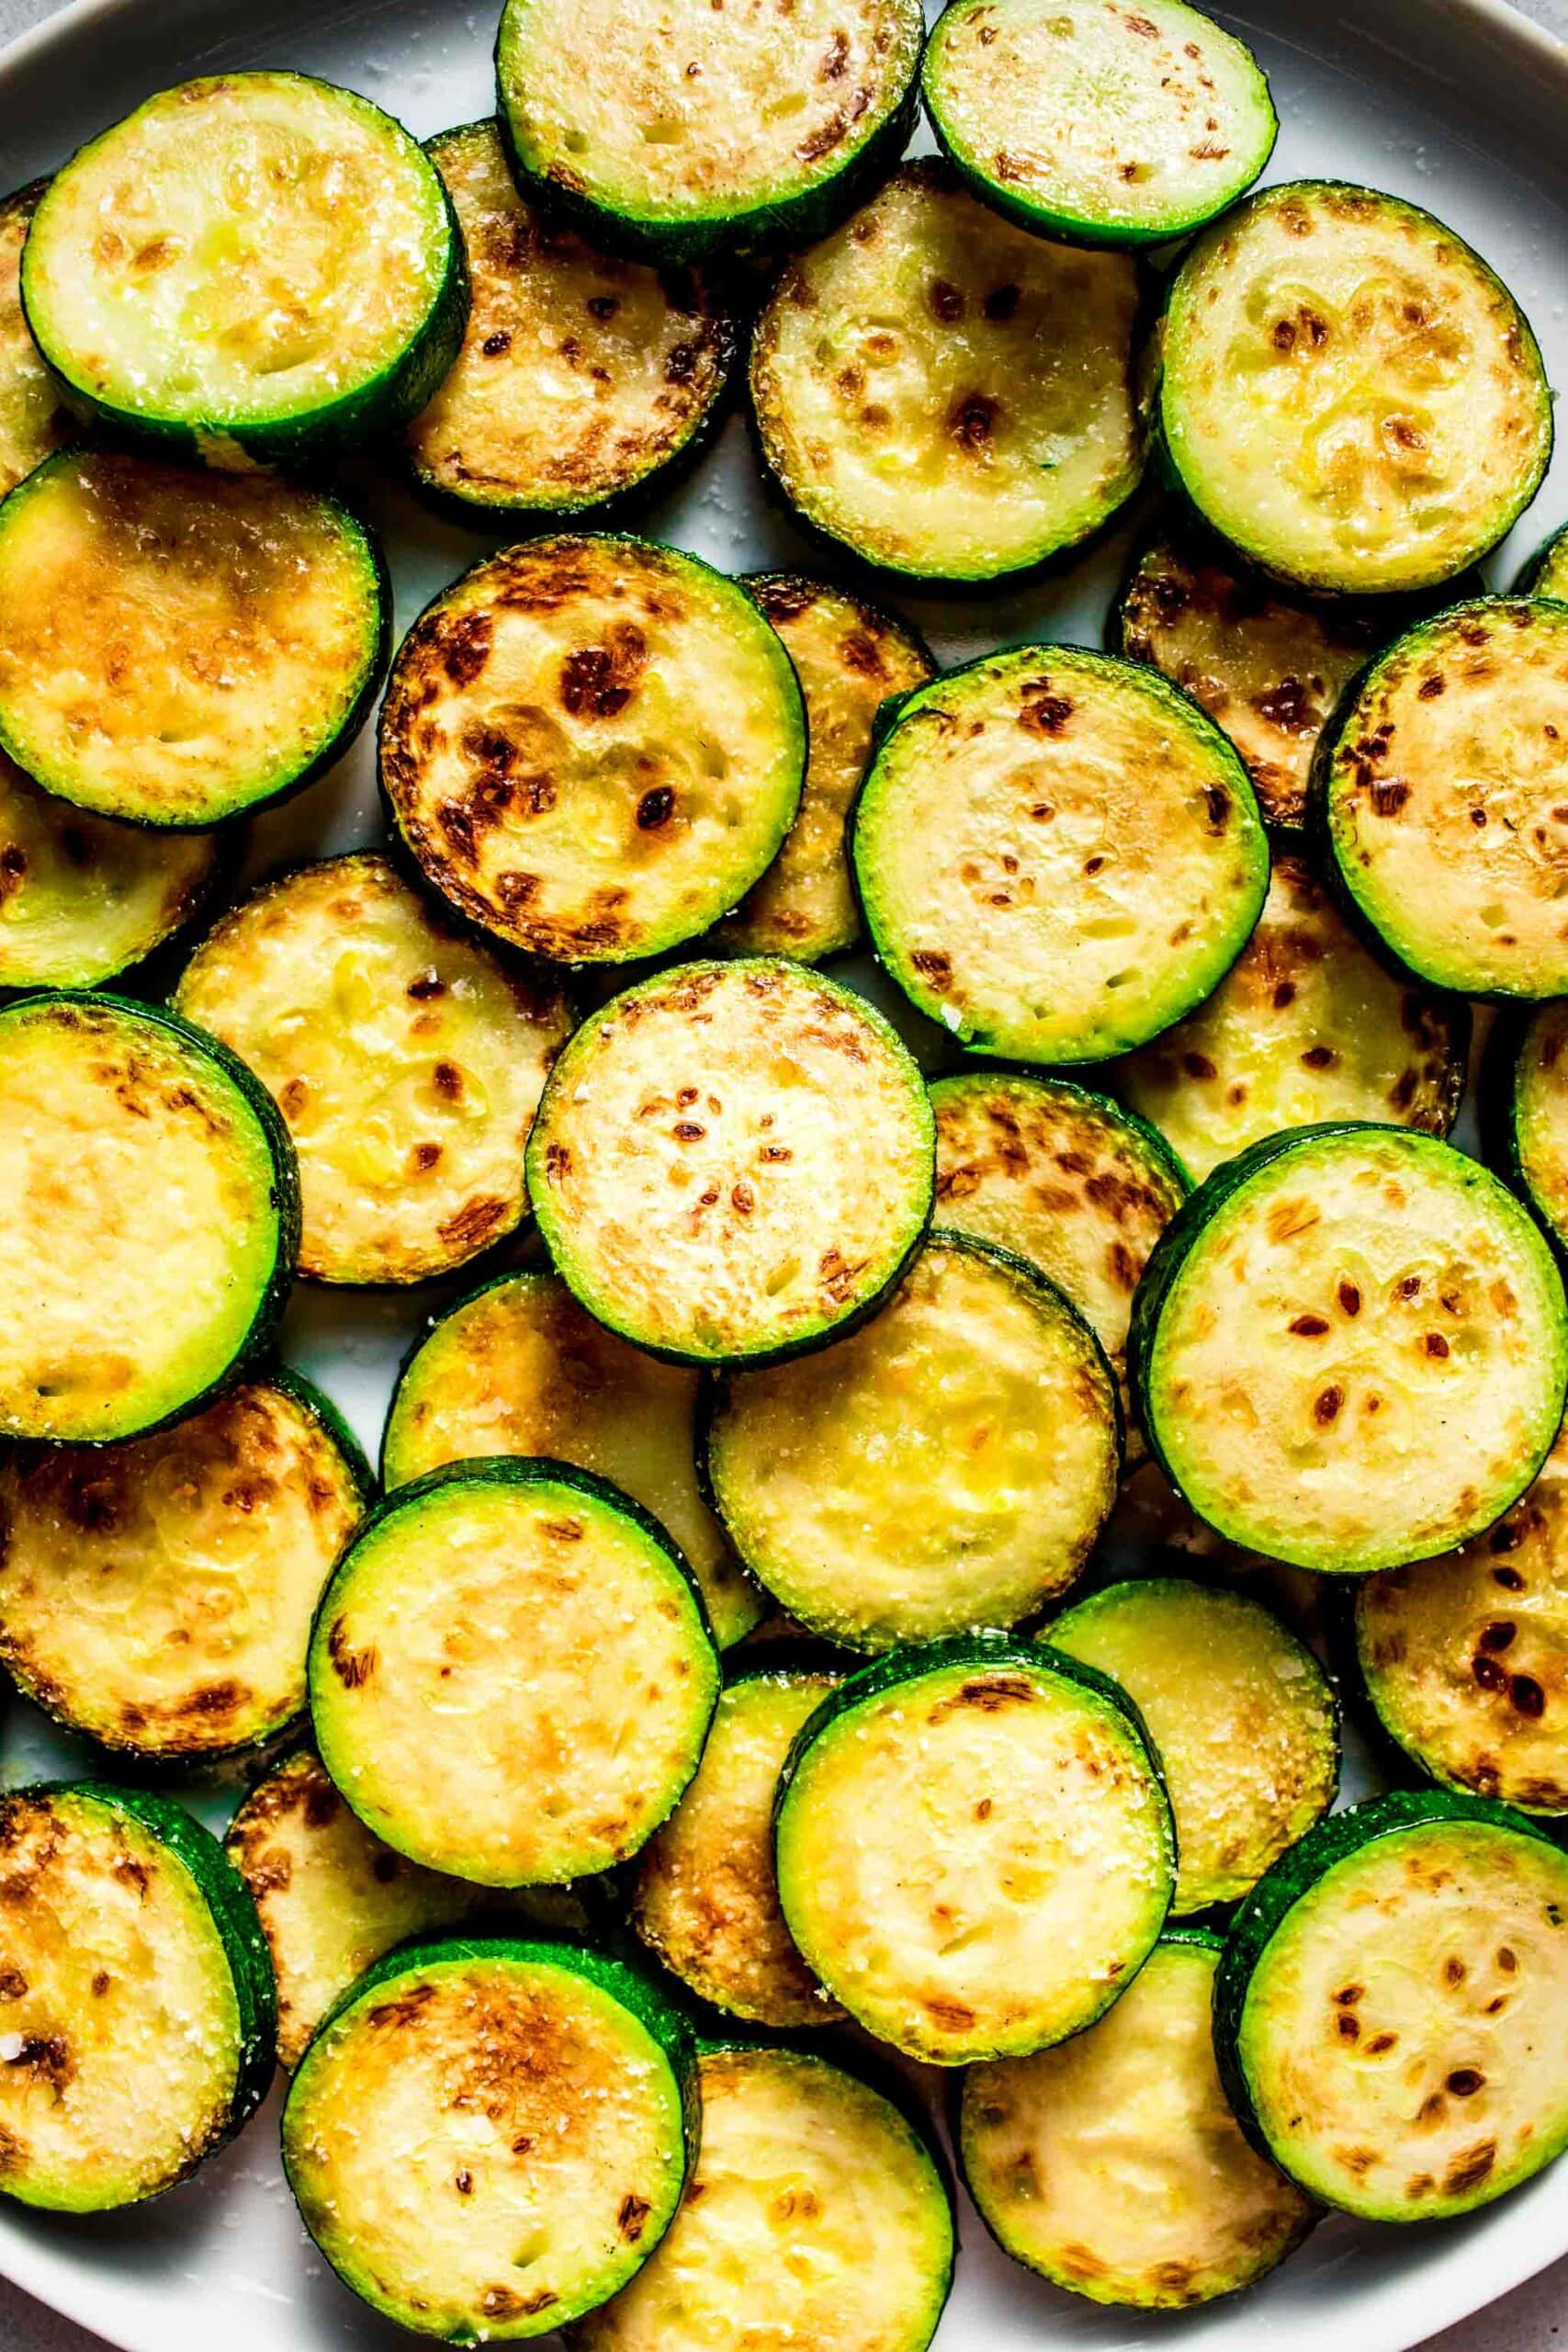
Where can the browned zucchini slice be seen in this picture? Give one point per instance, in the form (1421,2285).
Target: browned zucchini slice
(33,418)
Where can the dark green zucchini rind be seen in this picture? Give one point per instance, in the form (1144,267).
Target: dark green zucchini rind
(486,2138)
(1096,124)
(139,1997)
(1546,574)
(249,269)
(1361,335)
(1383,2003)
(114,1320)
(1523,1111)
(33,419)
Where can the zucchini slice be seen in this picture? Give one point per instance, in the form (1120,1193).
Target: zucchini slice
(251,268)
(1092,122)
(975,1852)
(486,2140)
(848,656)
(1442,793)
(1349,394)
(157,1596)
(406,1059)
(817,2215)
(1317,1322)
(1524,1110)
(905,1485)
(705,1898)
(1307,1025)
(1388,2011)
(175,647)
(1240,1710)
(1151,1517)
(117,1313)
(32,420)
(592,745)
(1057,853)
(1114,2166)
(757,1090)
(135,1993)
(521,1368)
(466,1699)
(702,130)
(582,375)
(1546,574)
(945,395)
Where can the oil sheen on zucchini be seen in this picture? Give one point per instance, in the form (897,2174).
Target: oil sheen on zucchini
(250,269)
(486,2140)
(33,419)
(405,1058)
(1057,853)
(1019,1896)
(1113,2165)
(1096,121)
(1388,2008)
(1349,394)
(945,395)
(149,1218)
(1307,1025)
(1318,1321)
(157,1596)
(1525,1102)
(179,647)
(733,1162)
(592,745)
(816,2215)
(138,2002)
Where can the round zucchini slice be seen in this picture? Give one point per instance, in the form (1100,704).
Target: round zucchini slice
(406,1060)
(909,372)
(817,2215)
(1525,1104)
(157,1597)
(178,647)
(1047,2148)
(1316,1323)
(582,375)
(1307,1025)
(135,1992)
(975,1852)
(486,2140)
(1443,798)
(1094,121)
(1240,1710)
(706,1898)
(701,130)
(149,1218)
(1057,853)
(763,1093)
(592,745)
(1388,2007)
(250,269)
(32,420)
(422,1717)
(1349,394)
(906,1485)
(848,656)
(1546,574)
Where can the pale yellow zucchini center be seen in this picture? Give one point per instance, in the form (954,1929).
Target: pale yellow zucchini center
(80,899)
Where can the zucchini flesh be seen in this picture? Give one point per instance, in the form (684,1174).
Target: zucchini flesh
(1349,394)
(975,1852)
(945,395)
(903,1486)
(175,647)
(1534,1113)
(420,1715)
(1093,121)
(1546,574)
(1307,1025)
(1114,2166)
(815,2216)
(32,420)
(114,1315)
(1057,853)
(592,745)
(1240,1710)
(406,1060)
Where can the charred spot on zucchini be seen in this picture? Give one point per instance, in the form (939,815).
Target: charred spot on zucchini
(943,394)
(112,1320)
(32,420)
(1546,574)
(1524,1110)
(1058,854)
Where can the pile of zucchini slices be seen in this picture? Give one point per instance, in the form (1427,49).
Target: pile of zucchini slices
(878,1539)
